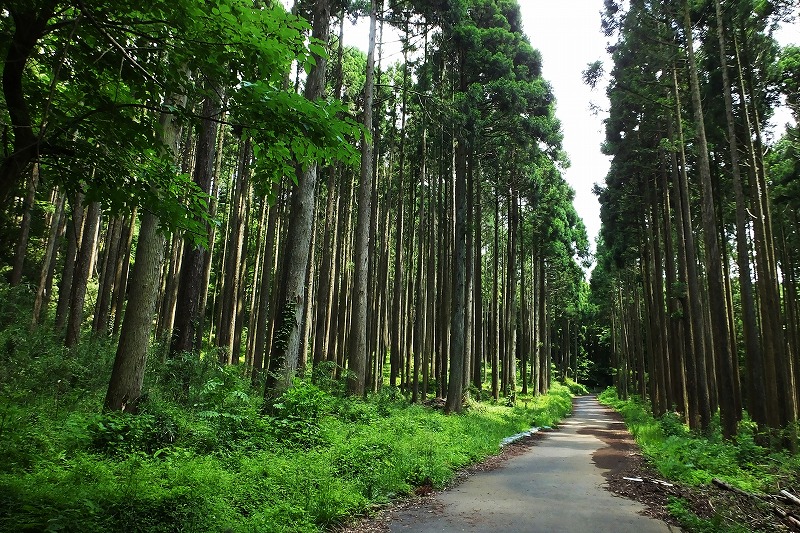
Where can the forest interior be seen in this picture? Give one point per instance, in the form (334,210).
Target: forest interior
(253,278)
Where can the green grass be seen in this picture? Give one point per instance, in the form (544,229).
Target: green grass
(693,459)
(211,461)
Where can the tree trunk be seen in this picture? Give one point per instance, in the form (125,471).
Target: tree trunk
(262,310)
(190,283)
(469,275)
(357,347)
(457,343)
(107,276)
(395,360)
(29,27)
(169,289)
(494,345)
(235,253)
(121,276)
(719,324)
(43,288)
(696,381)
(125,386)
(675,323)
(74,232)
(478,353)
(25,227)
(286,339)
(82,274)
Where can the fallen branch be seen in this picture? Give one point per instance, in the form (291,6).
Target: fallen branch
(768,499)
(791,497)
(721,484)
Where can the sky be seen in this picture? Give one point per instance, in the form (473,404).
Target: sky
(569,38)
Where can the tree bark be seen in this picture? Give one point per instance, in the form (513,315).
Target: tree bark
(757,401)
(190,282)
(286,340)
(719,324)
(24,227)
(696,381)
(455,388)
(74,232)
(107,276)
(30,26)
(123,266)
(357,347)
(43,288)
(127,375)
(82,274)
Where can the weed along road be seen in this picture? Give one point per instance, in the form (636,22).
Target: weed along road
(554,486)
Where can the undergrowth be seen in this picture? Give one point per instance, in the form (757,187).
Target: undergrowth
(695,459)
(206,458)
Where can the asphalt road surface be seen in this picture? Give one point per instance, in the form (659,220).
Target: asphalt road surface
(553,487)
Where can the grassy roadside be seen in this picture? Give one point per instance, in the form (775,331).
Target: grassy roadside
(210,461)
(694,460)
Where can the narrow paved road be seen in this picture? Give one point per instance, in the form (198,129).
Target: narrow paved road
(552,487)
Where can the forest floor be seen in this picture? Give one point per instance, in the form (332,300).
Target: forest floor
(553,481)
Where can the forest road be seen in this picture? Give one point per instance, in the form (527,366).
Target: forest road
(554,486)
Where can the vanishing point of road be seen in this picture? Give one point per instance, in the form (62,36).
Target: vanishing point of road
(552,487)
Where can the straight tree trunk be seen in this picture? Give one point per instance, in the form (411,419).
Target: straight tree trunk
(286,339)
(230,297)
(494,346)
(719,324)
(469,289)
(127,375)
(102,312)
(43,288)
(478,354)
(82,273)
(121,276)
(696,382)
(676,331)
(420,303)
(262,311)
(455,388)
(169,290)
(776,359)
(357,347)
(397,302)
(25,226)
(74,232)
(190,282)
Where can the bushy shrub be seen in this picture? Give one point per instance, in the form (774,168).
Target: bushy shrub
(297,413)
(119,434)
(576,388)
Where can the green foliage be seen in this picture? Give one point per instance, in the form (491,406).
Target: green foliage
(694,459)
(121,434)
(208,459)
(576,388)
(691,522)
(297,414)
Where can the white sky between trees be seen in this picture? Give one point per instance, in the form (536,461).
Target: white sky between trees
(568,35)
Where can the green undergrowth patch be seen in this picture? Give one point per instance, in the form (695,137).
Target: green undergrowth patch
(578,389)
(695,459)
(206,458)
